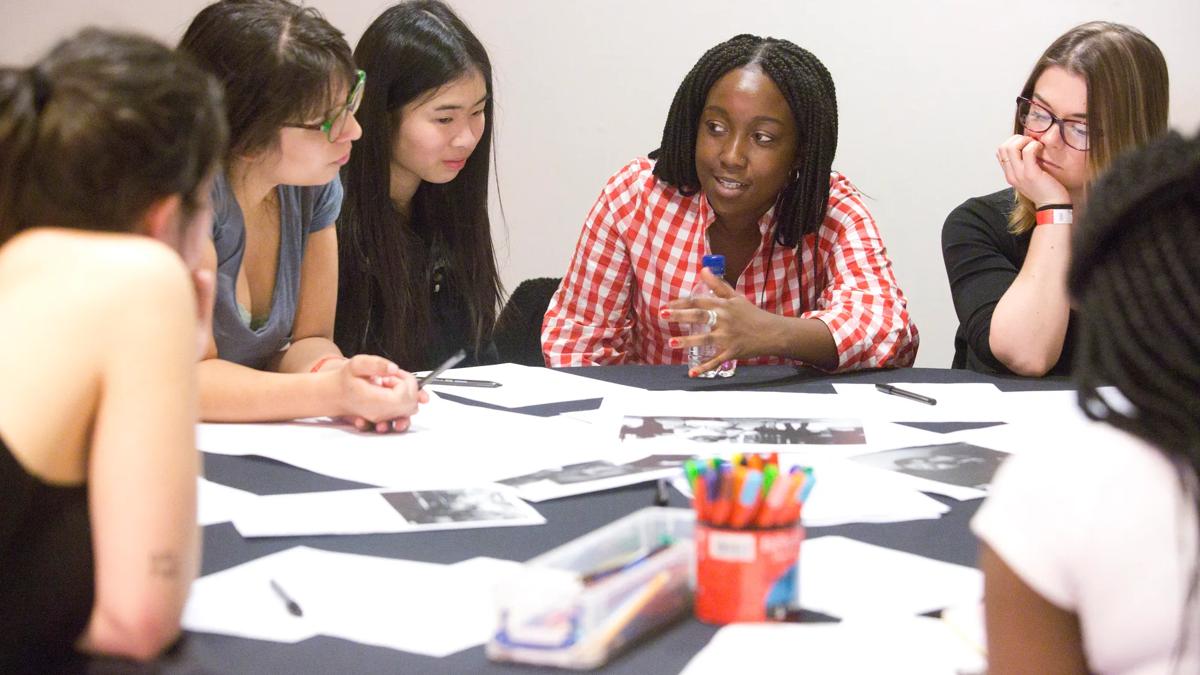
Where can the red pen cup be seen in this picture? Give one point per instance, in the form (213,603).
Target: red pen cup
(746,574)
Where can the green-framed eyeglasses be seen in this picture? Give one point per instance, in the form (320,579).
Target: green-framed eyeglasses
(335,123)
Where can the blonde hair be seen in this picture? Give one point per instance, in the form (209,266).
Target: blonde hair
(1127,95)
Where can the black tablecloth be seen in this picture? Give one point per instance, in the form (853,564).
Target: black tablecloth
(947,538)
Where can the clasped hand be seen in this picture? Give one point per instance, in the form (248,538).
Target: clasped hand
(376,394)
(740,330)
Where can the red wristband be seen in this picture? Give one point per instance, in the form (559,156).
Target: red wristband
(323,360)
(1049,216)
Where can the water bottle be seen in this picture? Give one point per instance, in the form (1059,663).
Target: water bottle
(698,355)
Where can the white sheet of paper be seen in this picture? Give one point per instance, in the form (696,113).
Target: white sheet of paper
(845,493)
(368,512)
(847,578)
(525,385)
(410,606)
(475,444)
(966,402)
(216,503)
(895,645)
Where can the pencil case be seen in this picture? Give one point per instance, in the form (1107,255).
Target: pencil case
(581,603)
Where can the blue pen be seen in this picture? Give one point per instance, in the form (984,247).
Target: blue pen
(747,500)
(809,482)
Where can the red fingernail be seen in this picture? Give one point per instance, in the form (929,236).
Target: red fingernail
(664,313)
(674,342)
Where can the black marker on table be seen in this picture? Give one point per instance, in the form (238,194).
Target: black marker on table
(904,393)
(293,607)
(446,365)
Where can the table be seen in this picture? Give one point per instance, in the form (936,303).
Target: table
(947,539)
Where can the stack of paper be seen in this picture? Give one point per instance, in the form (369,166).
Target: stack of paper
(416,607)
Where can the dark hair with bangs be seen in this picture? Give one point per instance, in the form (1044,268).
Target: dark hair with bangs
(100,128)
(387,261)
(808,89)
(279,62)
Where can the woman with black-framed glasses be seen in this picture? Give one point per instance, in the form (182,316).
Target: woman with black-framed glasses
(291,92)
(1099,89)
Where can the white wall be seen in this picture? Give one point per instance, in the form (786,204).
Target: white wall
(925,92)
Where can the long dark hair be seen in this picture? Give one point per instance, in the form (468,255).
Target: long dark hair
(101,127)
(385,259)
(808,89)
(279,63)
(1136,284)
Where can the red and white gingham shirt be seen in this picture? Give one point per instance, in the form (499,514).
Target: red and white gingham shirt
(641,247)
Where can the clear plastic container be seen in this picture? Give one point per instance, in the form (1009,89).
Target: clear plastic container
(581,603)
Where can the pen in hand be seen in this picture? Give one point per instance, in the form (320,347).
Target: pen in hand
(904,393)
(446,365)
(293,607)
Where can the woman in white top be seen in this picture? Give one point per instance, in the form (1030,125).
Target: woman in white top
(1090,550)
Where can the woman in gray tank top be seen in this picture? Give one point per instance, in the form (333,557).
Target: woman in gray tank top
(291,91)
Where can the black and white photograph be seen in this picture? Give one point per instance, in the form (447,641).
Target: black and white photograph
(743,430)
(959,464)
(594,476)
(459,506)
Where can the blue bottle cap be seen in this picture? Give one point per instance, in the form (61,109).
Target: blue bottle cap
(716,262)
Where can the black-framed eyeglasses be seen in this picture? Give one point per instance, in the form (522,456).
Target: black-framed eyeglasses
(335,123)
(1036,118)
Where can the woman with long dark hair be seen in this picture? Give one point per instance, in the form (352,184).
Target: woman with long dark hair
(1090,547)
(418,275)
(291,90)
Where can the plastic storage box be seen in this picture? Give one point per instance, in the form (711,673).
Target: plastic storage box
(581,603)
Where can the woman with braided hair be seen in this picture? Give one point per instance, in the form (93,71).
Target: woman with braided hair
(1099,89)
(743,170)
(1090,549)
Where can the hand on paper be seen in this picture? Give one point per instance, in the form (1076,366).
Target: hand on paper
(740,330)
(1018,158)
(375,394)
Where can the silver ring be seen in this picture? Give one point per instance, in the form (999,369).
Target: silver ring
(712,318)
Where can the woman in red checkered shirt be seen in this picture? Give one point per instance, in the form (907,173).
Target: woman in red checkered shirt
(744,170)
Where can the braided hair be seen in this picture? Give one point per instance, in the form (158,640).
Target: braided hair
(808,89)
(1136,285)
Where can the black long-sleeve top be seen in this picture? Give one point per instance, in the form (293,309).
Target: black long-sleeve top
(982,259)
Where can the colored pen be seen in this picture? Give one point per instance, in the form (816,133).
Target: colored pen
(769,514)
(747,499)
(725,496)
(904,393)
(665,542)
(446,365)
(452,382)
(293,607)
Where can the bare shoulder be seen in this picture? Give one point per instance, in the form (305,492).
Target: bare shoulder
(72,265)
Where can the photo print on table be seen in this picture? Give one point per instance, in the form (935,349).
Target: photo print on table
(458,506)
(743,430)
(959,464)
